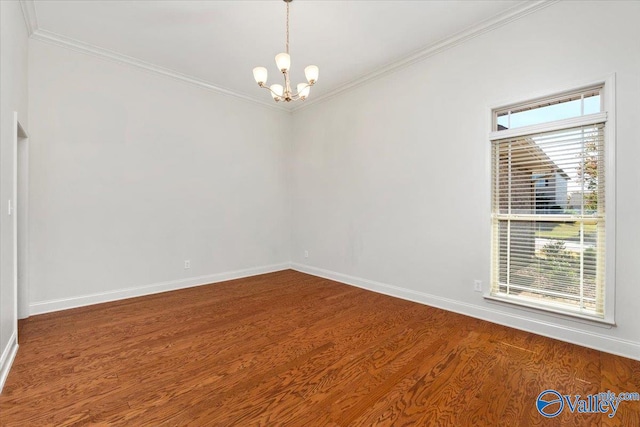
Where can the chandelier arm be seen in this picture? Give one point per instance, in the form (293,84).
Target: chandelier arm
(264,86)
(293,96)
(297,93)
(306,85)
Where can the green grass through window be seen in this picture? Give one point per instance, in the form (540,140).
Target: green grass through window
(567,231)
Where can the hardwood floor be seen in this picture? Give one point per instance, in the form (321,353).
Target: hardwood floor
(291,349)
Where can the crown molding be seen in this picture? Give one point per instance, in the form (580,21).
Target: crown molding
(514,13)
(86,48)
(449,42)
(30,17)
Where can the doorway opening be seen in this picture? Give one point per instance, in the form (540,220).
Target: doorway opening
(20,220)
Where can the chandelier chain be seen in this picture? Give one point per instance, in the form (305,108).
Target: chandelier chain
(287,27)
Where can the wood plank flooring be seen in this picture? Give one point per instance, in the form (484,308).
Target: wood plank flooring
(291,349)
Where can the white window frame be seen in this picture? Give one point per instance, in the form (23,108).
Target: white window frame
(608,116)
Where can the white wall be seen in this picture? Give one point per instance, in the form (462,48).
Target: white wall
(391,181)
(13,88)
(131,173)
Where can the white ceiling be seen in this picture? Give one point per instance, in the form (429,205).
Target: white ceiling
(218,43)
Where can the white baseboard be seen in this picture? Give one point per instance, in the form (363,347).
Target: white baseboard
(6,360)
(549,329)
(42,307)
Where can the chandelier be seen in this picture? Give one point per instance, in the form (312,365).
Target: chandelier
(283,61)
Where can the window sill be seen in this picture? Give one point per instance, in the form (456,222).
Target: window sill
(545,309)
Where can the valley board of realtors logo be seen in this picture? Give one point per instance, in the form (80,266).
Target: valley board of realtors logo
(551,403)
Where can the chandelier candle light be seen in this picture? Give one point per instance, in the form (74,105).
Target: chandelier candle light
(283,61)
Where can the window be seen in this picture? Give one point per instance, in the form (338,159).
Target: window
(549,204)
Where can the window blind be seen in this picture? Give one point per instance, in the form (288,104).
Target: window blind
(548,212)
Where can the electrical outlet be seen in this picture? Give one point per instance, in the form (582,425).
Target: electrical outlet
(477,285)
(187,264)
(306,254)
